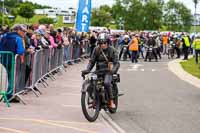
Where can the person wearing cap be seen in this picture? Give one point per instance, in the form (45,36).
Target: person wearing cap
(13,42)
(37,42)
(45,41)
(196,46)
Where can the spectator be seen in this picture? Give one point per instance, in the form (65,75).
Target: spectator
(67,46)
(59,39)
(13,42)
(76,46)
(93,40)
(51,39)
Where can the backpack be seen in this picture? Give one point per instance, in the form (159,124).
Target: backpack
(8,44)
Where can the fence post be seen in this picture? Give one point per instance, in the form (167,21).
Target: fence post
(8,61)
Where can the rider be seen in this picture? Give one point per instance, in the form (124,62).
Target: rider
(102,56)
(126,40)
(151,43)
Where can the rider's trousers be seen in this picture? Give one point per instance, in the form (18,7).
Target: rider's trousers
(108,85)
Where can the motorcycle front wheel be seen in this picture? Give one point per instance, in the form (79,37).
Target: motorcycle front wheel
(90,105)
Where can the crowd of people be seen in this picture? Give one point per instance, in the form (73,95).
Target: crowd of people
(22,39)
(155,44)
(134,43)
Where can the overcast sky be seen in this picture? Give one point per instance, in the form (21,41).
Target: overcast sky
(64,4)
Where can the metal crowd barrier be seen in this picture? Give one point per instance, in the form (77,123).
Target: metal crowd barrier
(7,61)
(36,68)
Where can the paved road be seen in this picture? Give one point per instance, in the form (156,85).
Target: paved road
(156,101)
(57,110)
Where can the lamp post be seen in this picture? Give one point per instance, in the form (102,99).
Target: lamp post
(2,12)
(195,22)
(121,23)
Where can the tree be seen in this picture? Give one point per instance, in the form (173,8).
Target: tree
(195,6)
(26,11)
(101,16)
(132,13)
(118,12)
(153,15)
(186,17)
(177,16)
(46,21)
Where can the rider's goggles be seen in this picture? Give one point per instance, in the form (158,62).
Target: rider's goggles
(100,43)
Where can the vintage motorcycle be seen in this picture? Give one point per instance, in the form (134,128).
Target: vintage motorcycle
(94,96)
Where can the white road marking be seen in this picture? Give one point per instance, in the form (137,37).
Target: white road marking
(130,70)
(142,70)
(153,70)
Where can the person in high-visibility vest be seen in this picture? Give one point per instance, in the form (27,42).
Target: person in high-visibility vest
(165,41)
(134,47)
(185,46)
(196,46)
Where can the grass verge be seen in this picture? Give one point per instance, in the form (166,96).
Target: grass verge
(191,67)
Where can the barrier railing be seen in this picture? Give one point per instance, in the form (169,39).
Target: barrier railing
(7,61)
(36,68)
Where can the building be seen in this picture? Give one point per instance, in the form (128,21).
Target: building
(56,11)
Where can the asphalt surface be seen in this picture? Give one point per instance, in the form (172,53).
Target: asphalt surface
(156,101)
(57,110)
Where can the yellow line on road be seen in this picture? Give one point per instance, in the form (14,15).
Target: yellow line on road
(61,122)
(53,123)
(12,130)
(81,123)
(70,127)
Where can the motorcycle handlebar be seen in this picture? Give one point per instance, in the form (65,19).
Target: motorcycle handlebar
(95,72)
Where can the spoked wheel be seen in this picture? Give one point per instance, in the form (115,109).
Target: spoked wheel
(90,105)
(115,93)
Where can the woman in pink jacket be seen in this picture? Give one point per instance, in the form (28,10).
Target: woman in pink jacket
(51,39)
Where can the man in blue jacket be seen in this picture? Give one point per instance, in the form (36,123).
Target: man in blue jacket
(13,41)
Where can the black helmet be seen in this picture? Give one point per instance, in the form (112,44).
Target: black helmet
(103,38)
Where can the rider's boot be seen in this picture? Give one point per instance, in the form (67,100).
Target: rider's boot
(112,104)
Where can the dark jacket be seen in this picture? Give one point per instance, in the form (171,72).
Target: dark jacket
(151,42)
(100,61)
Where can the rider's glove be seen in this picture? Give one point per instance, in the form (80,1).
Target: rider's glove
(85,72)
